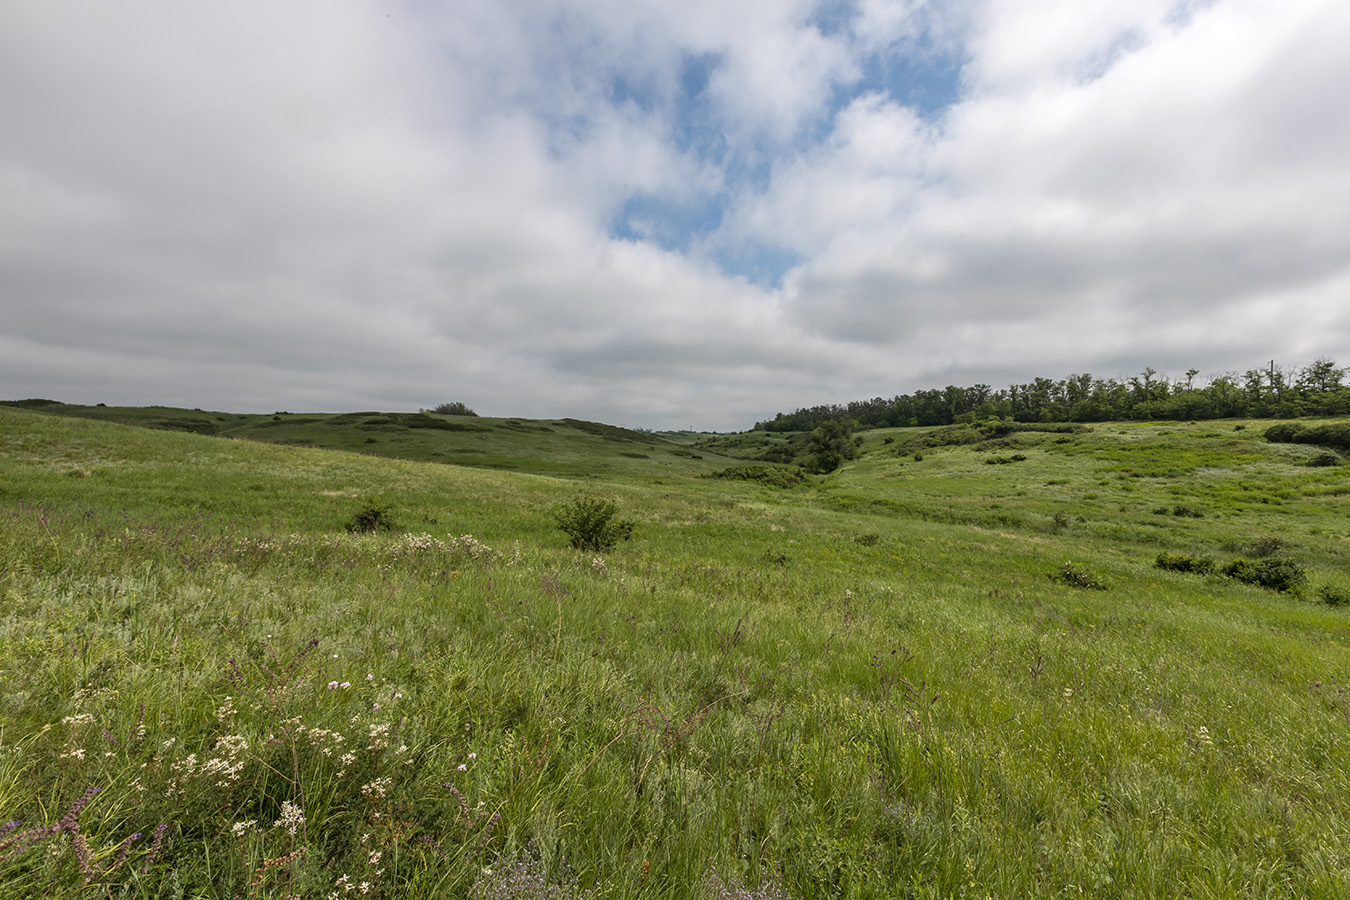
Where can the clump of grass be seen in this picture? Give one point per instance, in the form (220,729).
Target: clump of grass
(1325,459)
(1180,511)
(1078,576)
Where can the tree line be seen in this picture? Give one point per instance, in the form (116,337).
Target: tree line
(1274,392)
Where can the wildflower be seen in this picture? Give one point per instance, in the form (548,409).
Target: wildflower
(473,756)
(239,828)
(345,685)
(463,768)
(379,736)
(377,788)
(332,685)
(292,817)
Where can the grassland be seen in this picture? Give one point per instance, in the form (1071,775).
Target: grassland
(871,684)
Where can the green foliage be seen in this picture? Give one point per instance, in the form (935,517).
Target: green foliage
(1334,434)
(454,408)
(373,516)
(1324,460)
(590,523)
(1179,510)
(1005,460)
(830,447)
(1274,573)
(1078,576)
(1334,595)
(1270,545)
(1184,562)
(771,475)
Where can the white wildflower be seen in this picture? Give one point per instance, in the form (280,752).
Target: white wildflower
(292,817)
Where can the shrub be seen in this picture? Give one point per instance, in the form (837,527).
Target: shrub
(590,523)
(1005,460)
(1266,546)
(1275,573)
(376,515)
(770,475)
(455,408)
(1334,596)
(1183,562)
(1325,459)
(1078,576)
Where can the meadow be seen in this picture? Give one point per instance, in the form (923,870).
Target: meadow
(945,670)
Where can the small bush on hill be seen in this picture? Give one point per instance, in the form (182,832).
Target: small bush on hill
(376,515)
(1078,576)
(1336,434)
(1005,460)
(590,523)
(1334,596)
(1266,546)
(455,408)
(1275,573)
(1184,562)
(1324,460)
(773,476)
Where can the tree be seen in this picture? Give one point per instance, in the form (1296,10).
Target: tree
(1322,377)
(831,445)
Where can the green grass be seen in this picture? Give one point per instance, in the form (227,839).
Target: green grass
(869,685)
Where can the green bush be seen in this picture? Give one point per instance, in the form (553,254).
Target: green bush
(590,523)
(1005,460)
(1078,576)
(771,475)
(1334,596)
(376,515)
(1275,573)
(1325,460)
(455,408)
(1183,562)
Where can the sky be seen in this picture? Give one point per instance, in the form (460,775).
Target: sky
(662,213)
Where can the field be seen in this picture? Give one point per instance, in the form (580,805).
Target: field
(942,671)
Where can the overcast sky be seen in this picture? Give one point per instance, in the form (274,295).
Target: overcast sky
(662,213)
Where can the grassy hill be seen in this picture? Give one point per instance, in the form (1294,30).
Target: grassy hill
(950,669)
(556,447)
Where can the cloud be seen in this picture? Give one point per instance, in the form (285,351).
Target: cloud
(656,212)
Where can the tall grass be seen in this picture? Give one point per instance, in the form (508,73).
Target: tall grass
(869,687)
